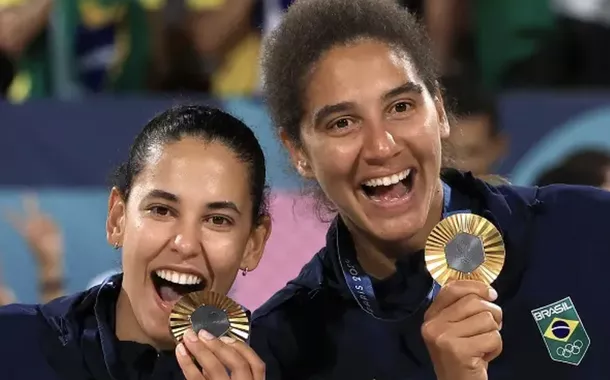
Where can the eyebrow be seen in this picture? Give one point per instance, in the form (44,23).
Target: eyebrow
(218,205)
(406,88)
(156,193)
(328,110)
(324,112)
(223,205)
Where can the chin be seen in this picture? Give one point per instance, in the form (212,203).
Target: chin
(159,334)
(396,230)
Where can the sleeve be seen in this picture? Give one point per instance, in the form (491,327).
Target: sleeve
(261,341)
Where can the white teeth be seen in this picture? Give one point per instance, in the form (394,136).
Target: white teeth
(177,277)
(389,180)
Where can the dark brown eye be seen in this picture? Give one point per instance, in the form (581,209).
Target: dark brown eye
(218,220)
(159,211)
(401,107)
(342,123)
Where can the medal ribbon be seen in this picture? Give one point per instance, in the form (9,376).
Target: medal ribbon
(360,284)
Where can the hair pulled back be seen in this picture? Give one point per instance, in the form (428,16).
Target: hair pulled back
(205,123)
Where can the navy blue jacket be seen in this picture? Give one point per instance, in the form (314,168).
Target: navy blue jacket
(72,338)
(557,245)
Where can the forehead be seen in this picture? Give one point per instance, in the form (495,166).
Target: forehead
(359,70)
(196,171)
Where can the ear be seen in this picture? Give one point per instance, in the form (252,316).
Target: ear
(115,221)
(256,244)
(297,155)
(443,119)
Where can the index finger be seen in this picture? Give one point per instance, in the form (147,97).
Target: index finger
(455,290)
(256,363)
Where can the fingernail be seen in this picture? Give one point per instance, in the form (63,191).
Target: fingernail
(500,327)
(493,295)
(227,339)
(203,334)
(181,349)
(190,336)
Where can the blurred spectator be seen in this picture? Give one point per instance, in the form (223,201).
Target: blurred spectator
(476,141)
(177,66)
(585,167)
(7,71)
(69,48)
(226,39)
(507,39)
(581,47)
(45,240)
(22,23)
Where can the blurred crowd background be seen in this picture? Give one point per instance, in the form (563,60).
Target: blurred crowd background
(529,81)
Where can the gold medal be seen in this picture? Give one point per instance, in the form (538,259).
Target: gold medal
(464,247)
(213,312)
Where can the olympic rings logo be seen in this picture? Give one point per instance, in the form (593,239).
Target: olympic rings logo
(570,349)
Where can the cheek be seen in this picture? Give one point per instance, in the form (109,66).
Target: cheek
(334,159)
(425,141)
(144,239)
(224,251)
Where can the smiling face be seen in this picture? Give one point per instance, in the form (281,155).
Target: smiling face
(371,137)
(187,225)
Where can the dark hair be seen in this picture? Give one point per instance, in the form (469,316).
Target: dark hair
(585,167)
(311,27)
(210,125)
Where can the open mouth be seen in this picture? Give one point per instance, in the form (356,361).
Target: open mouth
(390,188)
(171,285)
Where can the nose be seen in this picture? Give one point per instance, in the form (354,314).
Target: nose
(186,241)
(379,144)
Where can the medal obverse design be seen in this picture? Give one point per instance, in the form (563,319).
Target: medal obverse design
(210,311)
(464,246)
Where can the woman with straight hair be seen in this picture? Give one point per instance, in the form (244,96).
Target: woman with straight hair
(188,211)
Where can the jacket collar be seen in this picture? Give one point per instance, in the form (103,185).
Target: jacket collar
(509,208)
(84,325)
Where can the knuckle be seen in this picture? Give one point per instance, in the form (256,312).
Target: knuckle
(500,314)
(497,338)
(428,331)
(258,365)
(444,342)
(488,318)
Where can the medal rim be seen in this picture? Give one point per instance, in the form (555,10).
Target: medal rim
(446,230)
(179,320)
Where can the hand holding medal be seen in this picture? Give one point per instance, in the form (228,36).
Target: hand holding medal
(211,331)
(464,255)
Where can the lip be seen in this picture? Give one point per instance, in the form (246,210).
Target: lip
(168,306)
(399,205)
